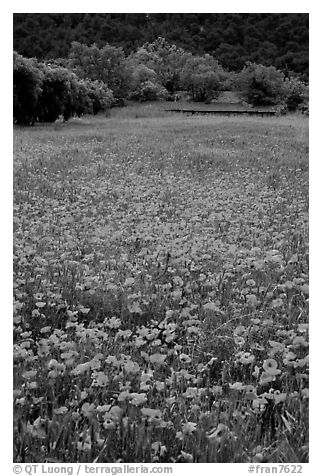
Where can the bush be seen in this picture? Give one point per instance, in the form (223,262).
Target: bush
(281,109)
(45,92)
(65,94)
(166,61)
(202,77)
(100,96)
(55,95)
(143,83)
(27,87)
(107,65)
(77,101)
(149,91)
(296,94)
(304,108)
(261,85)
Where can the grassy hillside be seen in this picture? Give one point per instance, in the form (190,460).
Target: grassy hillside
(161,289)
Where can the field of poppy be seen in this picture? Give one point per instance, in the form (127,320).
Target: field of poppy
(161,289)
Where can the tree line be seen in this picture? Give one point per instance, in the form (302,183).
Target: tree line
(277,39)
(93,79)
(44,92)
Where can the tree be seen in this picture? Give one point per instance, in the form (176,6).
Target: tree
(230,56)
(43,92)
(261,85)
(77,102)
(63,93)
(27,87)
(101,97)
(56,91)
(105,64)
(143,83)
(149,91)
(238,37)
(165,59)
(139,73)
(297,94)
(202,77)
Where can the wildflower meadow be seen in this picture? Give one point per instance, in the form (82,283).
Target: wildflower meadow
(161,289)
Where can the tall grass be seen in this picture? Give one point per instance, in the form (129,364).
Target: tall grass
(161,289)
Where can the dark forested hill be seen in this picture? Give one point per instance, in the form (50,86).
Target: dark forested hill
(275,39)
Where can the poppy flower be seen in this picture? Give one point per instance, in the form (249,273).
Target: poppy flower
(246,358)
(270,367)
(189,427)
(266,378)
(218,434)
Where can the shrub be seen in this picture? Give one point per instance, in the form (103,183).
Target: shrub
(281,109)
(304,108)
(261,85)
(105,64)
(55,95)
(165,60)
(100,96)
(27,86)
(149,91)
(44,92)
(202,77)
(65,94)
(144,83)
(296,93)
(77,101)
(138,75)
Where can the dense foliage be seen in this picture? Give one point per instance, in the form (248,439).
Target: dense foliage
(105,64)
(92,79)
(271,73)
(27,81)
(142,81)
(167,60)
(265,85)
(44,92)
(202,77)
(297,95)
(278,39)
(261,85)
